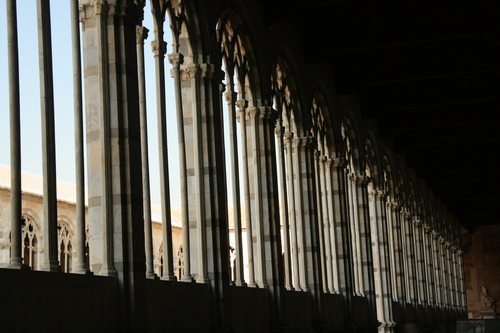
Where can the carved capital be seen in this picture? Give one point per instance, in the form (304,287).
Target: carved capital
(141,34)
(460,252)
(427,229)
(207,71)
(230,96)
(416,221)
(189,71)
(159,47)
(252,113)
(288,136)
(100,7)
(175,59)
(278,130)
(339,162)
(241,104)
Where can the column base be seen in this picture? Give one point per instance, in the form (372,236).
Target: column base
(168,278)
(109,271)
(51,266)
(187,278)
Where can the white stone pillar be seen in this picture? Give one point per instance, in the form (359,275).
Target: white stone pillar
(80,266)
(332,235)
(285,217)
(231,97)
(323,223)
(16,259)
(288,136)
(141,35)
(50,262)
(159,48)
(242,105)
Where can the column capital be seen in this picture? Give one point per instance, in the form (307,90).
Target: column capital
(141,34)
(416,221)
(267,112)
(376,193)
(279,129)
(460,252)
(252,113)
(288,136)
(207,70)
(241,104)
(189,71)
(427,229)
(175,59)
(101,7)
(230,96)
(159,47)
(339,162)
(393,205)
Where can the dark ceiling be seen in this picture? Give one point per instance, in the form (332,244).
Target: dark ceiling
(428,73)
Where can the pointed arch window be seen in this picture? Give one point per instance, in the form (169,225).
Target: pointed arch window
(65,246)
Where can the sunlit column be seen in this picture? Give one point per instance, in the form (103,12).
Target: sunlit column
(367,276)
(429,262)
(323,228)
(399,257)
(255,120)
(298,143)
(419,260)
(141,35)
(288,137)
(354,228)
(332,235)
(159,47)
(16,259)
(80,265)
(230,97)
(242,105)
(381,264)
(176,60)
(50,262)
(194,74)
(285,221)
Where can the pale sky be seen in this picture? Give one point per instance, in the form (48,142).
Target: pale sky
(63,93)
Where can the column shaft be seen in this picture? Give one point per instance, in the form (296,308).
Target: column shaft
(80,232)
(16,259)
(48,138)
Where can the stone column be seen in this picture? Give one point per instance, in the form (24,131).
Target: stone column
(331,232)
(352,205)
(430,281)
(409,258)
(288,136)
(231,97)
(50,262)
(116,217)
(419,261)
(343,241)
(323,223)
(285,220)
(176,60)
(242,105)
(398,259)
(142,34)
(80,232)
(16,259)
(366,246)
(300,184)
(159,48)
(381,261)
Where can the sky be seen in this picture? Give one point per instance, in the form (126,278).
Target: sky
(63,95)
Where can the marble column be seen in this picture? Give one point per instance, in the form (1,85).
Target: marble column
(80,232)
(16,259)
(159,48)
(230,97)
(50,262)
(285,216)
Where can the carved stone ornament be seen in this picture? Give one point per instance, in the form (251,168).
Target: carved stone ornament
(488,302)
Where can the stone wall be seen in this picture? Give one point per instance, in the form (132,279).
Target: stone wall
(482,266)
